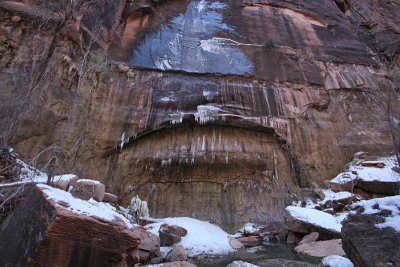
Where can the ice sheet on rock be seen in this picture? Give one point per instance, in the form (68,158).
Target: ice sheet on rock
(91,208)
(344,177)
(377,205)
(336,261)
(315,217)
(202,237)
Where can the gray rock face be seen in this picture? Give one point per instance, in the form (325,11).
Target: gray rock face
(368,246)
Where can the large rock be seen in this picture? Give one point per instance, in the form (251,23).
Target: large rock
(365,243)
(321,248)
(86,189)
(44,231)
(306,221)
(171,234)
(178,253)
(309,238)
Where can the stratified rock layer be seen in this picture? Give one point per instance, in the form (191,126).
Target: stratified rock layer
(213,109)
(39,233)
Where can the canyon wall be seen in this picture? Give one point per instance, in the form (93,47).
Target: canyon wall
(218,110)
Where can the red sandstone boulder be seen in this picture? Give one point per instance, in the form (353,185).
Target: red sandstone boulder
(321,248)
(178,253)
(309,238)
(171,234)
(249,241)
(86,189)
(49,230)
(110,198)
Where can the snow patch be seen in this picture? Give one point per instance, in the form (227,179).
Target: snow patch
(315,217)
(377,205)
(337,261)
(243,264)
(91,208)
(202,237)
(88,181)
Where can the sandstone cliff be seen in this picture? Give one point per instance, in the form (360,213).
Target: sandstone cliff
(218,110)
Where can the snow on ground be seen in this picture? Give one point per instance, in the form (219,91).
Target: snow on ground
(330,195)
(336,261)
(250,228)
(385,174)
(377,205)
(315,217)
(243,264)
(91,208)
(202,237)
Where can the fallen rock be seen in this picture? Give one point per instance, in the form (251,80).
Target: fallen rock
(294,238)
(321,248)
(309,238)
(388,188)
(371,236)
(173,264)
(345,181)
(235,244)
(171,234)
(178,253)
(249,241)
(110,198)
(63,182)
(377,164)
(241,264)
(149,246)
(306,221)
(86,189)
(336,261)
(48,234)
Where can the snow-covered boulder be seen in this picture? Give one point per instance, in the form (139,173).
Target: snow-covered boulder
(371,233)
(336,261)
(202,237)
(376,177)
(305,221)
(86,189)
(53,228)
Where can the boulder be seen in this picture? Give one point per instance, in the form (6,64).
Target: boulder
(294,238)
(110,198)
(149,246)
(388,188)
(63,182)
(306,221)
(367,245)
(171,234)
(43,232)
(249,241)
(309,238)
(235,244)
(336,261)
(321,248)
(86,189)
(178,253)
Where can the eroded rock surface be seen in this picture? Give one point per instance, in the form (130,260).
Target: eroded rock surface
(217,110)
(40,232)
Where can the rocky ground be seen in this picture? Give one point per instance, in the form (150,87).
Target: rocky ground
(79,224)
